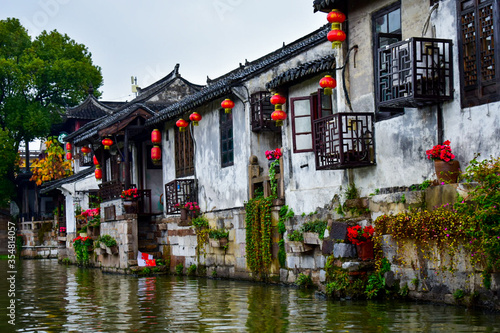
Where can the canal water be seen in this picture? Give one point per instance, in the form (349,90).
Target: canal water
(56,298)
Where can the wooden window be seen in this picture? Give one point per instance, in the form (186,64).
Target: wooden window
(184,153)
(261,109)
(304,111)
(226,138)
(479,74)
(386,26)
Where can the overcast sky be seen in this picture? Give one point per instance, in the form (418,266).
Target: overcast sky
(147,38)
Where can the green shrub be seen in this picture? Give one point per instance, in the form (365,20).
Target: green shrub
(304,281)
(317,226)
(179,269)
(107,240)
(191,270)
(200,222)
(218,233)
(458,294)
(296,236)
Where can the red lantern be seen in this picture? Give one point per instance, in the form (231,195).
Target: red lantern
(85,150)
(335,17)
(69,156)
(107,143)
(277,100)
(228,105)
(68,146)
(182,124)
(156,153)
(98,173)
(279,116)
(156,137)
(336,37)
(96,162)
(195,117)
(328,83)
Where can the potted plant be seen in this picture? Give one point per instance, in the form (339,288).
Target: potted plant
(130,194)
(295,243)
(82,247)
(110,244)
(218,237)
(447,169)
(363,239)
(314,232)
(189,210)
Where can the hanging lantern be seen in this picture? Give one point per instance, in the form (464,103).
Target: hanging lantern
(69,156)
(328,83)
(336,35)
(96,162)
(85,150)
(98,172)
(156,137)
(182,124)
(278,116)
(228,105)
(277,100)
(156,153)
(68,146)
(107,143)
(195,117)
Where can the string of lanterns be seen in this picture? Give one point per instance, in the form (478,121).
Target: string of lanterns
(98,170)
(336,35)
(156,150)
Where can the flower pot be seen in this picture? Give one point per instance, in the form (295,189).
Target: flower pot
(112,250)
(447,172)
(102,245)
(223,241)
(365,250)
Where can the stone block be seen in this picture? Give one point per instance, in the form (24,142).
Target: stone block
(307,262)
(229,260)
(338,231)
(292,261)
(351,266)
(322,276)
(241,263)
(343,250)
(240,235)
(163,226)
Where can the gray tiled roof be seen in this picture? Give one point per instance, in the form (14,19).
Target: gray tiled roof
(303,71)
(90,108)
(327,5)
(221,86)
(52,185)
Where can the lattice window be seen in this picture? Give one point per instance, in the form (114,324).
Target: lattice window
(344,140)
(415,73)
(261,109)
(226,138)
(184,153)
(179,191)
(479,78)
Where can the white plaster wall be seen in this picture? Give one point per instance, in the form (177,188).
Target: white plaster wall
(70,192)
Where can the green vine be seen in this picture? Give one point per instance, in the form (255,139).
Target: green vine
(258,234)
(272,177)
(284,214)
(201,228)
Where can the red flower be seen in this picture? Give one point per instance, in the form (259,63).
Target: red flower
(357,235)
(441,152)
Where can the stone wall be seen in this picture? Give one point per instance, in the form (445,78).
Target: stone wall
(39,239)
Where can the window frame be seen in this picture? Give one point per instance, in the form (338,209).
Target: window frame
(184,153)
(473,95)
(226,125)
(383,113)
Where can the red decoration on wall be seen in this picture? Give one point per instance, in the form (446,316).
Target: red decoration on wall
(85,150)
(328,83)
(278,116)
(98,172)
(107,143)
(195,117)
(228,105)
(277,99)
(336,35)
(182,124)
(156,136)
(156,153)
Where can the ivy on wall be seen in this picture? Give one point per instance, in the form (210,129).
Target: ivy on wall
(258,234)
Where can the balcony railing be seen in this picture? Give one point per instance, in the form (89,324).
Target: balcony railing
(344,140)
(179,191)
(415,73)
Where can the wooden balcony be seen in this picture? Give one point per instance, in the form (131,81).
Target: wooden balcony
(113,189)
(344,140)
(416,72)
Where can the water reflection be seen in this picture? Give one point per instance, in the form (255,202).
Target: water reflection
(56,298)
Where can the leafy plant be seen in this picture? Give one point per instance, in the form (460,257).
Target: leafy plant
(339,282)
(351,192)
(81,246)
(107,240)
(179,269)
(191,270)
(415,282)
(304,281)
(274,156)
(403,291)
(201,227)
(146,271)
(317,226)
(218,233)
(214,273)
(458,294)
(53,165)
(296,236)
(66,261)
(258,234)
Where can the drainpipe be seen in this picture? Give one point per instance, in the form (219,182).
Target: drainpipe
(440,124)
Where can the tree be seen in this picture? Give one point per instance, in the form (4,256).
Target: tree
(38,80)
(52,166)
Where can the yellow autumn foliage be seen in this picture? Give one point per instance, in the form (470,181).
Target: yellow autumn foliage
(52,166)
